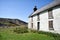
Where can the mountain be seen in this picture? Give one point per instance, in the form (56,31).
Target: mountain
(11,22)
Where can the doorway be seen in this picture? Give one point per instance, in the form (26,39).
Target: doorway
(38,25)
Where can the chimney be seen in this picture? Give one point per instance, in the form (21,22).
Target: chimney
(35,8)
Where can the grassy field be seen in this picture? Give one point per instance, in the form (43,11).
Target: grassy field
(8,34)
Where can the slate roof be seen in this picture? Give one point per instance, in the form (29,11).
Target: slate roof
(46,7)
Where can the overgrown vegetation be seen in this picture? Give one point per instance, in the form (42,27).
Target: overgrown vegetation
(21,29)
(55,35)
(8,34)
(0,36)
(22,33)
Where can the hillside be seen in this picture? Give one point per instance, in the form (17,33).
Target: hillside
(11,22)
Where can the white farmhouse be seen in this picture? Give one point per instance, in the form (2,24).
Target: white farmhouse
(46,18)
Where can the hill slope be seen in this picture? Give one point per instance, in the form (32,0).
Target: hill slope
(11,22)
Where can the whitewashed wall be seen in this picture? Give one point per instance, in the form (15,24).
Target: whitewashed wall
(35,22)
(56,14)
(44,21)
(29,23)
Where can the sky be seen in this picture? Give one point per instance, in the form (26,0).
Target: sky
(20,9)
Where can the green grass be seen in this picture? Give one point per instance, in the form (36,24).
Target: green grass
(8,34)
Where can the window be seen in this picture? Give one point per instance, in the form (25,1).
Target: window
(31,19)
(32,25)
(51,25)
(38,17)
(38,25)
(50,15)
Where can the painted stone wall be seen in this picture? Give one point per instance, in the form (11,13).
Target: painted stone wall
(56,14)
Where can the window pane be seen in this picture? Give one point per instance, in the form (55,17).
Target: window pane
(38,17)
(32,25)
(32,19)
(50,15)
(51,25)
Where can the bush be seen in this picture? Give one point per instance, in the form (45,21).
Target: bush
(0,36)
(21,30)
(55,35)
(34,31)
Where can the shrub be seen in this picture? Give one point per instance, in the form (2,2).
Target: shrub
(0,36)
(21,30)
(34,31)
(55,35)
